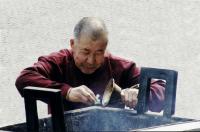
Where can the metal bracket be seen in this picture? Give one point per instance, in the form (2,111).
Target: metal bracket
(170,76)
(53,97)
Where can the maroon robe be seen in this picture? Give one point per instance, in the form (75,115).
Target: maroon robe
(59,71)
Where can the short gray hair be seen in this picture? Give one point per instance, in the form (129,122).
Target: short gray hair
(91,26)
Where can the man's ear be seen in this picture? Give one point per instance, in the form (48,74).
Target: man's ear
(72,43)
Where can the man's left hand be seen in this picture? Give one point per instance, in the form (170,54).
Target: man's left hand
(129,97)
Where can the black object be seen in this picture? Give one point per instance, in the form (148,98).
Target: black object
(170,76)
(97,118)
(53,97)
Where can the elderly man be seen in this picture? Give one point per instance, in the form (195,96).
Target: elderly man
(84,71)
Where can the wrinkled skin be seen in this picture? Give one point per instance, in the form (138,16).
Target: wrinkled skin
(88,55)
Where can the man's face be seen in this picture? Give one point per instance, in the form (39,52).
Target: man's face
(88,54)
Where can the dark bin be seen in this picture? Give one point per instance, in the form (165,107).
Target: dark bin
(113,119)
(97,118)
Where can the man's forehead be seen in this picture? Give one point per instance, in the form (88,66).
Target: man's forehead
(92,45)
(86,40)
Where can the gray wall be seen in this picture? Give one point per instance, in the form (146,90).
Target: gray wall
(153,33)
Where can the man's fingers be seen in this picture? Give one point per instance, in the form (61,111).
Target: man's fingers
(81,94)
(126,97)
(130,100)
(129,97)
(91,93)
(134,97)
(123,96)
(136,86)
(85,100)
(89,97)
(135,102)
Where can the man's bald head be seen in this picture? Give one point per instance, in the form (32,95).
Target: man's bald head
(89,44)
(91,27)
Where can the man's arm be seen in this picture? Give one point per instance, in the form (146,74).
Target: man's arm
(157,90)
(47,73)
(41,75)
(157,95)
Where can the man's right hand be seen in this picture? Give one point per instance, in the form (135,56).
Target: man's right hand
(81,94)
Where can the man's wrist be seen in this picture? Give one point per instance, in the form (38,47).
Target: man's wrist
(68,92)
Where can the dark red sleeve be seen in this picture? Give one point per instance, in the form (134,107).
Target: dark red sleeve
(157,90)
(157,95)
(45,73)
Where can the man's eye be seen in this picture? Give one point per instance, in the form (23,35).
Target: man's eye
(85,53)
(99,53)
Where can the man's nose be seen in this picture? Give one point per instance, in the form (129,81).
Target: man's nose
(91,59)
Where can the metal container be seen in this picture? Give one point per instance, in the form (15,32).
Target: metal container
(97,118)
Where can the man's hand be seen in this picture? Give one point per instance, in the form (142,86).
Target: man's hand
(81,94)
(129,96)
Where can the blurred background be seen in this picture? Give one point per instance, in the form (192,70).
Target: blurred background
(153,33)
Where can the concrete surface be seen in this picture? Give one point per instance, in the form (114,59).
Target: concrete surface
(153,33)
